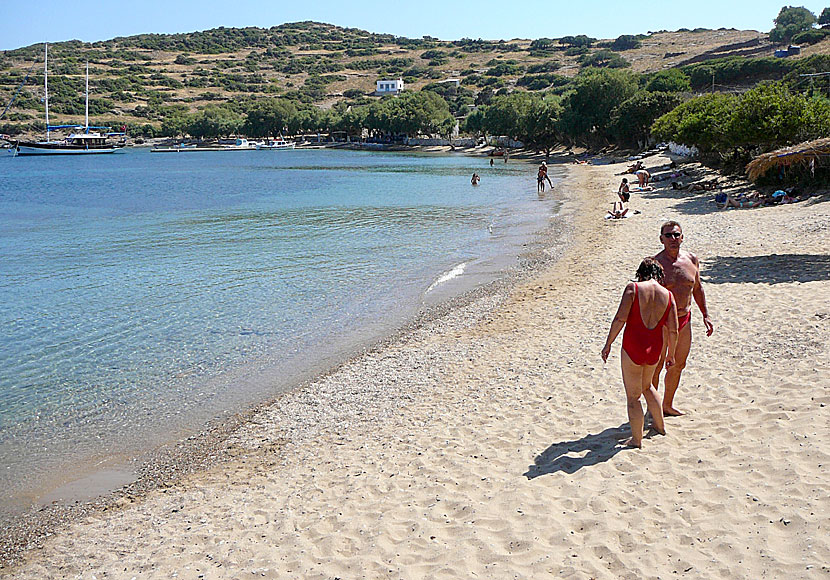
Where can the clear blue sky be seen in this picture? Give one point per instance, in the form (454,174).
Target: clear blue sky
(26,22)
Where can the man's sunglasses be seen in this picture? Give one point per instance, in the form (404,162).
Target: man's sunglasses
(673,234)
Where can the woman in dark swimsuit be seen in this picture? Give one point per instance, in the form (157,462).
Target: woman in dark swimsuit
(649,315)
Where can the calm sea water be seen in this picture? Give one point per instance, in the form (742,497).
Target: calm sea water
(142,295)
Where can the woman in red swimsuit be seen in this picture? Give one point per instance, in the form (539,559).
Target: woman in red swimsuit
(649,315)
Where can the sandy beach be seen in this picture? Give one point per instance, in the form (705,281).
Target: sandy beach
(486,443)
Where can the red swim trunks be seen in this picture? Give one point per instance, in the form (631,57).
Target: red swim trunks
(681,322)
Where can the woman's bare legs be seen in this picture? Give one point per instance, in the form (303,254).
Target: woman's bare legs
(637,380)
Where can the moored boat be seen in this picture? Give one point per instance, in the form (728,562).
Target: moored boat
(82,142)
(277,144)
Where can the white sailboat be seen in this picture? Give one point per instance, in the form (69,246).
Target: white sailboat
(81,142)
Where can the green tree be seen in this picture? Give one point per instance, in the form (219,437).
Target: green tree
(214,121)
(174,125)
(769,116)
(824,18)
(270,117)
(703,121)
(474,123)
(790,21)
(507,113)
(409,114)
(538,127)
(632,119)
(626,42)
(668,81)
(603,59)
(587,110)
(580,40)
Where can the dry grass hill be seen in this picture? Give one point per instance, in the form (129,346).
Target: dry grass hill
(136,80)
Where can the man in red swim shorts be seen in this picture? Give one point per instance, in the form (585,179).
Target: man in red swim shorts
(681,271)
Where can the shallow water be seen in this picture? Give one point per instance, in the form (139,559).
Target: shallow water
(142,294)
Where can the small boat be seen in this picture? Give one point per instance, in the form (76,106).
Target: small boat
(278,144)
(77,143)
(241,144)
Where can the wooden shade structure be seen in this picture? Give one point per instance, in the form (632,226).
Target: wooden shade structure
(802,154)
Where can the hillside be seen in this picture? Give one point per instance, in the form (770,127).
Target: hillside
(140,79)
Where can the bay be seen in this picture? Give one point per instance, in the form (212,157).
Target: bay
(143,295)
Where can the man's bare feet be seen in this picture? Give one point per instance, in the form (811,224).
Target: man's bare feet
(630,442)
(654,431)
(672,412)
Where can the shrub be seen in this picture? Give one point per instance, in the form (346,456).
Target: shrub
(626,42)
(810,36)
(668,81)
(603,59)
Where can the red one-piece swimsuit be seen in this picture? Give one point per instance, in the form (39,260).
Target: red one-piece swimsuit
(644,345)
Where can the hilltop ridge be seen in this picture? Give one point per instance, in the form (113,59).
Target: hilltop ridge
(136,79)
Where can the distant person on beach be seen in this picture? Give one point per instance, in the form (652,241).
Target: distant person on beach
(635,167)
(682,277)
(475,179)
(542,176)
(617,211)
(491,162)
(643,177)
(623,191)
(649,315)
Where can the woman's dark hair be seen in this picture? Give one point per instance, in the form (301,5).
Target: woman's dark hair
(650,269)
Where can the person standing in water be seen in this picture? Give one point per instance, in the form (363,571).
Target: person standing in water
(649,315)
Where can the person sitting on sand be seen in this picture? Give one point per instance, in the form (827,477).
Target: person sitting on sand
(475,179)
(623,192)
(649,315)
(643,177)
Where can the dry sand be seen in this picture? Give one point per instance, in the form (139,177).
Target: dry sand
(486,444)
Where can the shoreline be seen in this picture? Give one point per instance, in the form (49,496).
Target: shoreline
(169,463)
(485,442)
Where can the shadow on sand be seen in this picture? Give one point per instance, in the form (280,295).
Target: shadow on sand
(599,446)
(769,269)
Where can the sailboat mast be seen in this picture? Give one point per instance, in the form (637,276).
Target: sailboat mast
(86,109)
(46,84)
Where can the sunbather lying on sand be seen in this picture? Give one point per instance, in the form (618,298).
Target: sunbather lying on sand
(707,185)
(617,211)
(725,201)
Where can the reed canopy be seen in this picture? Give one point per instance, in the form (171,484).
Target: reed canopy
(808,155)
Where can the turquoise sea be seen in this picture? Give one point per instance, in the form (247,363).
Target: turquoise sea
(143,295)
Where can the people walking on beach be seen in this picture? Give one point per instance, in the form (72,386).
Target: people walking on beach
(682,277)
(475,179)
(649,315)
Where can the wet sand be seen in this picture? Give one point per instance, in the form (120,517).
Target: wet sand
(485,442)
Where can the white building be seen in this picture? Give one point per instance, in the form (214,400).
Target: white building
(387,87)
